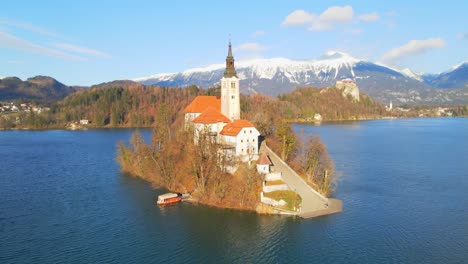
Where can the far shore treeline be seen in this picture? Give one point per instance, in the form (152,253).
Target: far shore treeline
(136,105)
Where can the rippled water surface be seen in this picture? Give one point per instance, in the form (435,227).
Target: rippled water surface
(404,184)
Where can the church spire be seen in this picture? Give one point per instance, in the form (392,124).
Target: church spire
(230,49)
(230,70)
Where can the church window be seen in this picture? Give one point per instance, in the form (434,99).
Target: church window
(232,96)
(247,141)
(242,141)
(233,85)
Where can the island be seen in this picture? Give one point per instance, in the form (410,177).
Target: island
(223,160)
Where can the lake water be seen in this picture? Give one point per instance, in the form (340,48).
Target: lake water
(404,185)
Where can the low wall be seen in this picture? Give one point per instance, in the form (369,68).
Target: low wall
(272,188)
(270,201)
(273,176)
(325,199)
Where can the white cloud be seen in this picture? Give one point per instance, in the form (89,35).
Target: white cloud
(15,62)
(258,33)
(463,36)
(83,50)
(411,48)
(298,17)
(63,49)
(29,27)
(320,26)
(252,47)
(339,14)
(371,17)
(320,22)
(391,13)
(355,31)
(12,42)
(333,14)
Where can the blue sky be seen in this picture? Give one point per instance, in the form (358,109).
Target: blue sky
(89,42)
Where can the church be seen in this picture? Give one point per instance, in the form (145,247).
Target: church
(219,118)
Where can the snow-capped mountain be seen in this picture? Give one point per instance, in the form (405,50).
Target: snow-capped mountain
(280,75)
(412,74)
(456,77)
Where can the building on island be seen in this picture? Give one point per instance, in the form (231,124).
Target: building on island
(220,118)
(263,164)
(389,107)
(243,137)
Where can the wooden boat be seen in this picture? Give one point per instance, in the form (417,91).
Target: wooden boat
(168,198)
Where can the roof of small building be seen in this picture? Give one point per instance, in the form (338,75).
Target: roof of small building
(264,160)
(233,128)
(201,103)
(211,115)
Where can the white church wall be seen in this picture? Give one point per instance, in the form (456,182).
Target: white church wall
(230,101)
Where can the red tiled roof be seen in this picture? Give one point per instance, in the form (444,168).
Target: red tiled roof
(264,160)
(232,129)
(211,115)
(201,103)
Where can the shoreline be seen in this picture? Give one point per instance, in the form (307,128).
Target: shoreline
(293,121)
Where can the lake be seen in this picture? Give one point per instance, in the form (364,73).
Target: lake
(404,185)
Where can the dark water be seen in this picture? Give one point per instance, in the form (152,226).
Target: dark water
(404,185)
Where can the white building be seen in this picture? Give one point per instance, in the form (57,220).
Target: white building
(220,118)
(243,137)
(263,164)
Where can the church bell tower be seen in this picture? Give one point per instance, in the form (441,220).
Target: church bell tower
(230,104)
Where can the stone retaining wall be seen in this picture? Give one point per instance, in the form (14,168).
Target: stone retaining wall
(273,176)
(272,188)
(270,201)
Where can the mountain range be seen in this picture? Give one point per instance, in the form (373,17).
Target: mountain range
(279,75)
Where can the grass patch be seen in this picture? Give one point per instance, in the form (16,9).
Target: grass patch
(278,182)
(292,199)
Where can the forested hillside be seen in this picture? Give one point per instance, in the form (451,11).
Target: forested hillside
(40,88)
(135,105)
(302,104)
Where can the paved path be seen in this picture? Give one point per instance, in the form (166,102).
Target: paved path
(313,203)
